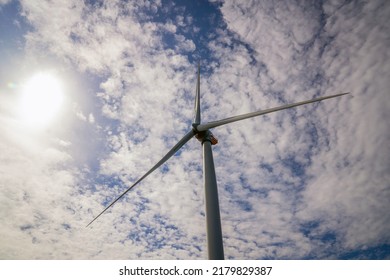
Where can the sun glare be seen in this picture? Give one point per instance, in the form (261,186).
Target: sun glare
(41,100)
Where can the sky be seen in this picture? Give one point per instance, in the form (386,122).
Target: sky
(116,92)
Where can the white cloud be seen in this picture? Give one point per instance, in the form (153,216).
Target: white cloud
(91,118)
(285,180)
(349,185)
(4,2)
(148,87)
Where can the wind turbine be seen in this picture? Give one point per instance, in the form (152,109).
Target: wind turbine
(203,134)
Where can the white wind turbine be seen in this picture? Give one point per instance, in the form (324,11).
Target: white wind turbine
(203,134)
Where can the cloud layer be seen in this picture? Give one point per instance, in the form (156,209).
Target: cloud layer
(307,183)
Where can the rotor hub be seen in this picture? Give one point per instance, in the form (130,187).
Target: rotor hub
(203,136)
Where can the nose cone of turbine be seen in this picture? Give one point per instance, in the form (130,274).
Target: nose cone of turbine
(203,136)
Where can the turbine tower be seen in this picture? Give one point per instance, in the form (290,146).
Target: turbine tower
(203,134)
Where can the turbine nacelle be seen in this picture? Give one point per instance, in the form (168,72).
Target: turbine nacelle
(206,136)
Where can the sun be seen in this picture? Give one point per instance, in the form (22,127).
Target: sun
(41,99)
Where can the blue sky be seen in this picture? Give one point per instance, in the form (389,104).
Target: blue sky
(306,183)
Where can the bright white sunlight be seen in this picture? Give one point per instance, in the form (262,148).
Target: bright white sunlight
(41,99)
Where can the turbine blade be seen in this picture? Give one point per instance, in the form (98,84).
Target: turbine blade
(204,127)
(171,152)
(197,99)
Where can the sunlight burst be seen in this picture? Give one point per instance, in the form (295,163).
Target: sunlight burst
(41,100)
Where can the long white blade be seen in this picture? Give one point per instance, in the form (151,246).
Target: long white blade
(197,99)
(171,152)
(204,127)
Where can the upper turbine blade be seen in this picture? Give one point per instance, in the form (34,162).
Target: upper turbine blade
(197,99)
(204,127)
(171,152)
